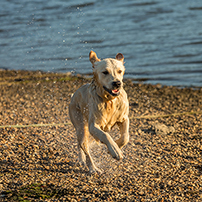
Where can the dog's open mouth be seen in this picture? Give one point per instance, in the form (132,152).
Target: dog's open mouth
(114,92)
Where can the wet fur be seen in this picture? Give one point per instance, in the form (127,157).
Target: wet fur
(93,110)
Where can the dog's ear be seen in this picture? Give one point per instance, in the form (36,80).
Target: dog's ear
(93,57)
(119,56)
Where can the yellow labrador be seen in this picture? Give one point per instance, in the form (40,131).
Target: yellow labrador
(98,106)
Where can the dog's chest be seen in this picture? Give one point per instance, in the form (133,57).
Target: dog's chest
(111,114)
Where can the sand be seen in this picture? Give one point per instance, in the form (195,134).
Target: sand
(38,148)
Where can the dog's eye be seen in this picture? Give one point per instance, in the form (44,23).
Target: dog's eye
(120,71)
(105,72)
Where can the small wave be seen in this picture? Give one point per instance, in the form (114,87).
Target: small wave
(193,43)
(195,8)
(140,4)
(52,7)
(159,11)
(81,5)
(58,58)
(185,55)
(39,20)
(194,62)
(93,41)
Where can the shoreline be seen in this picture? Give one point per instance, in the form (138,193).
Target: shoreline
(38,162)
(20,75)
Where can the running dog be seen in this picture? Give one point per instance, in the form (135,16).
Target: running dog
(96,107)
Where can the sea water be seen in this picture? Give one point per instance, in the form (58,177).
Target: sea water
(161,40)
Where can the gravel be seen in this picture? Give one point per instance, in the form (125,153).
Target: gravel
(38,162)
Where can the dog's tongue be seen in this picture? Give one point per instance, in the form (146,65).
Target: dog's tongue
(115,91)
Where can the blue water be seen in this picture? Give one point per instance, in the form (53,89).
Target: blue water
(161,40)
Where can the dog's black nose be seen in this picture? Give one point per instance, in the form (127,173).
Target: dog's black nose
(116,84)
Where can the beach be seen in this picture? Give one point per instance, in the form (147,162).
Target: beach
(38,146)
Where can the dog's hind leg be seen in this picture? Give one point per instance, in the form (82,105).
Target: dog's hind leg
(83,144)
(77,119)
(83,139)
(82,156)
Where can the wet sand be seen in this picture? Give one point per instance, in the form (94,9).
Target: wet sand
(38,149)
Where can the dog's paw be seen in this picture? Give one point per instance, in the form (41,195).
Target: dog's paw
(95,170)
(81,164)
(122,141)
(115,151)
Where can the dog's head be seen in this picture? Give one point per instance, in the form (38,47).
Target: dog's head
(108,73)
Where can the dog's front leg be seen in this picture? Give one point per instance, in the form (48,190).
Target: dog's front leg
(124,129)
(105,138)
